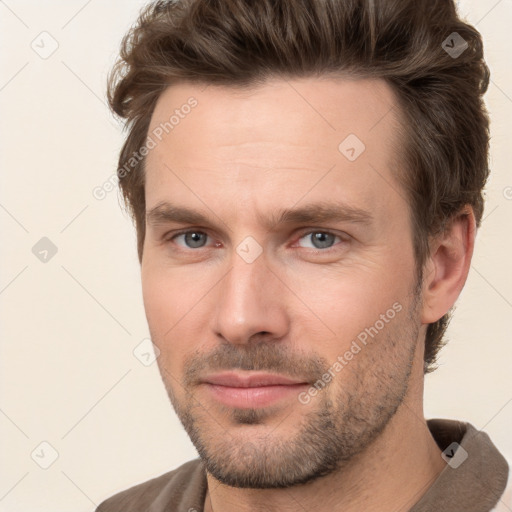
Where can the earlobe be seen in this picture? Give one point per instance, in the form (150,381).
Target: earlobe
(448,265)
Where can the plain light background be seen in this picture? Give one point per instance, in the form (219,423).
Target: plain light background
(69,325)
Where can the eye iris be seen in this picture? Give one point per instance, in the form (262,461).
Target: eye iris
(194,236)
(321,238)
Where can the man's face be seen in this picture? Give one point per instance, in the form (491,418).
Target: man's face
(327,303)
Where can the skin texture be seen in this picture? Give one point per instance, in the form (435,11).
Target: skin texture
(239,157)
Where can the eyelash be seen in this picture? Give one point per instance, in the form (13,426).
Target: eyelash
(302,235)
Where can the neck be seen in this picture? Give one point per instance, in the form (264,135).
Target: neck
(391,474)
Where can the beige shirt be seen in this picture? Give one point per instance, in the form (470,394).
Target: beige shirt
(473,480)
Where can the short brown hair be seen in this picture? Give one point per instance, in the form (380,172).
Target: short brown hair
(444,162)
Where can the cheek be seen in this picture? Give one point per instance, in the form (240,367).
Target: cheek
(167,293)
(158,302)
(166,310)
(342,304)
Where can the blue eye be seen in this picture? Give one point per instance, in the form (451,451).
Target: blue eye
(192,237)
(321,239)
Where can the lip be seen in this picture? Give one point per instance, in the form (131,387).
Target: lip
(252,389)
(250,380)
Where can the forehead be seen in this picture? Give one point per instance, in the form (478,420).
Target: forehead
(315,136)
(328,106)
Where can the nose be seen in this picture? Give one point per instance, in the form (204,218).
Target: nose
(252,303)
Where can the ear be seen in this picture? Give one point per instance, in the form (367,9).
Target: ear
(447,267)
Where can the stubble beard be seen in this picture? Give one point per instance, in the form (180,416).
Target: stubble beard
(347,416)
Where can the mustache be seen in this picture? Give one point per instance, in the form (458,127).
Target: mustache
(263,356)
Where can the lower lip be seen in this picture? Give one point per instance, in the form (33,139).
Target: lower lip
(253,397)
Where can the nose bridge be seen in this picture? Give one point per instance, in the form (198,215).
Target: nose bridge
(250,298)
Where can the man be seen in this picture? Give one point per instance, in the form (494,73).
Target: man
(306,181)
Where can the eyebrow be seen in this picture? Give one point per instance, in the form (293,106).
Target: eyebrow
(315,213)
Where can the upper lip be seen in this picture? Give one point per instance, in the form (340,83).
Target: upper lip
(250,380)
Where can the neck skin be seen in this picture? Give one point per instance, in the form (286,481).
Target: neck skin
(391,475)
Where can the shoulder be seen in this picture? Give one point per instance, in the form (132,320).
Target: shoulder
(505,502)
(186,483)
